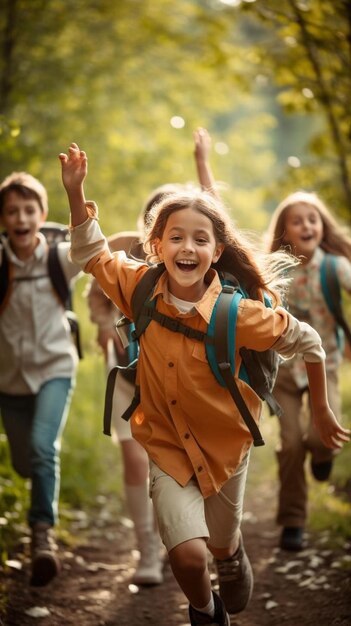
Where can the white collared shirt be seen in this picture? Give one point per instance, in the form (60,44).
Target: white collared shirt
(35,337)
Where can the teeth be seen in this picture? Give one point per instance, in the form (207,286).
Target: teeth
(186,262)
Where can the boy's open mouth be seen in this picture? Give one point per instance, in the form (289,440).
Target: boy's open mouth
(22,231)
(186,266)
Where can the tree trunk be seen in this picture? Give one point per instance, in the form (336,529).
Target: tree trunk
(325,97)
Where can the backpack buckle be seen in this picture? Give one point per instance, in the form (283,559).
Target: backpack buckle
(228,289)
(224,366)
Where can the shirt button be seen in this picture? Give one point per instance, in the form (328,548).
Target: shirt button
(186,436)
(170,364)
(174,402)
(199,469)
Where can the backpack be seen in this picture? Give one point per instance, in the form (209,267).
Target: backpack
(258,369)
(332,295)
(54,233)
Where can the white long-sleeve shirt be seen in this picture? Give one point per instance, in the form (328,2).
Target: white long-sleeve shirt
(35,337)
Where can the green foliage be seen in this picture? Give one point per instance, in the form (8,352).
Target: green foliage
(14,499)
(309,61)
(331,503)
(91,465)
(341,471)
(330,511)
(112,76)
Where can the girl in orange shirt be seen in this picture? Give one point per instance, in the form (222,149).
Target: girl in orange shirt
(196,441)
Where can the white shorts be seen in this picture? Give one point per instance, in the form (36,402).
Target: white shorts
(182,513)
(122,396)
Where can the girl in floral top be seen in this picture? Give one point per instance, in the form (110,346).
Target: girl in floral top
(196,441)
(303,225)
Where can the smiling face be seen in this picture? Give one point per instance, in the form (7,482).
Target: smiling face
(21,217)
(303,230)
(187,248)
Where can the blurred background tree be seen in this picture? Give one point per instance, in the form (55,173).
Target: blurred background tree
(305,49)
(129,81)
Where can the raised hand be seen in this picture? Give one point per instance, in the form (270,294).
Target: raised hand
(74,167)
(202,148)
(202,144)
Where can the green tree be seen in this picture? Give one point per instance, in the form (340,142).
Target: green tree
(304,48)
(112,76)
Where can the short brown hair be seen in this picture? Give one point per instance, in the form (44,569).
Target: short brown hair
(27,186)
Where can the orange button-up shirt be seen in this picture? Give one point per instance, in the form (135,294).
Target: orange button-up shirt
(187,423)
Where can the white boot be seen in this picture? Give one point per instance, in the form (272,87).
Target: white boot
(150,565)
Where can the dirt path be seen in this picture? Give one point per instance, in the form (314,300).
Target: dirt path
(308,589)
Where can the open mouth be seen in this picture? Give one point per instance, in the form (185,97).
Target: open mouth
(21,232)
(186,266)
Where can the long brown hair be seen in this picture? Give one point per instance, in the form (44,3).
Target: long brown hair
(336,238)
(254,270)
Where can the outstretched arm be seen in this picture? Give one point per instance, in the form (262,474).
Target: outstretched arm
(104,314)
(202,141)
(74,166)
(329,429)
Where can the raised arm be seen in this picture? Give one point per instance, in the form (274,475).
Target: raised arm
(202,147)
(104,314)
(74,166)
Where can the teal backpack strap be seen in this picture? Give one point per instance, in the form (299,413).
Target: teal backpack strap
(332,295)
(229,299)
(221,355)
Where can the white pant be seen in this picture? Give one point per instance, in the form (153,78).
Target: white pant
(122,396)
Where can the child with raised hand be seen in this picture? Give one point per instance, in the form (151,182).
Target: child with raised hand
(196,441)
(304,226)
(38,359)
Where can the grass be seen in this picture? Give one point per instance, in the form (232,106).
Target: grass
(91,464)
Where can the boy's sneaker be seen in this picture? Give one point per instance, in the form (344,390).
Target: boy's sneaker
(292,538)
(220,618)
(45,563)
(235,579)
(150,566)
